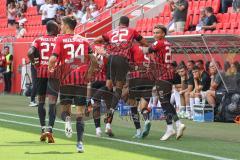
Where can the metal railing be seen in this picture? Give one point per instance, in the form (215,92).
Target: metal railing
(116,20)
(108,11)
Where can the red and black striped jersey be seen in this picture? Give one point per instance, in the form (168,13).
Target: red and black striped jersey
(72,52)
(120,41)
(45,46)
(155,65)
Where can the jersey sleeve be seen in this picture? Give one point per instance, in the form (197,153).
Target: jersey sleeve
(35,43)
(106,37)
(156,46)
(137,36)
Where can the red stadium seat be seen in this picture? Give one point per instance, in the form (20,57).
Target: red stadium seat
(226,25)
(209,3)
(234,25)
(219,26)
(195,19)
(219,17)
(216,5)
(225,17)
(233,17)
(202,4)
(195,5)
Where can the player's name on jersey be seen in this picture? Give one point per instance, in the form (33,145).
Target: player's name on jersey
(44,62)
(69,40)
(48,39)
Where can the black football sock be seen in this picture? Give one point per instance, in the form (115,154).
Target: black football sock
(52,116)
(42,114)
(135,117)
(80,129)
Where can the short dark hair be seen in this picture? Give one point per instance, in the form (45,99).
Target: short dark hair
(209,9)
(70,21)
(124,20)
(195,68)
(52,27)
(200,61)
(181,66)
(162,27)
(192,61)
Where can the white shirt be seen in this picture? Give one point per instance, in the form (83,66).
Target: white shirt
(40,2)
(95,14)
(42,9)
(110,3)
(84,18)
(51,10)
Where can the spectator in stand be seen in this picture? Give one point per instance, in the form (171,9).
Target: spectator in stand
(179,8)
(211,21)
(69,12)
(60,13)
(18,9)
(85,5)
(94,12)
(202,20)
(24,6)
(77,14)
(236,5)
(42,12)
(39,4)
(92,4)
(86,17)
(60,5)
(20,30)
(11,14)
(110,3)
(22,19)
(50,11)
(225,4)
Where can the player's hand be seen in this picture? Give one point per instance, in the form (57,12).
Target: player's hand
(51,68)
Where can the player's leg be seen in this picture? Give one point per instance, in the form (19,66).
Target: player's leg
(171,115)
(96,109)
(41,91)
(80,103)
(66,102)
(52,91)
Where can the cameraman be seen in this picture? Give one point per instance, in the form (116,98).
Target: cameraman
(179,8)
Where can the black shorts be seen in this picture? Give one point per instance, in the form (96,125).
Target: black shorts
(117,68)
(12,22)
(47,86)
(140,88)
(143,88)
(75,95)
(98,84)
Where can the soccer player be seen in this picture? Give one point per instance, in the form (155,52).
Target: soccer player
(119,43)
(162,55)
(39,54)
(70,52)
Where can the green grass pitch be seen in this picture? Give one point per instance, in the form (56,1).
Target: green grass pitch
(20,133)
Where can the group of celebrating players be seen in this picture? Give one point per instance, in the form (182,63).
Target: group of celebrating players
(85,76)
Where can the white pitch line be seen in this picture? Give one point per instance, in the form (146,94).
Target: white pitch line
(30,117)
(131,142)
